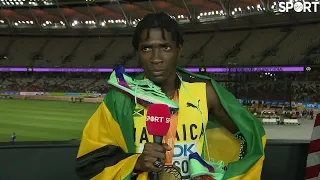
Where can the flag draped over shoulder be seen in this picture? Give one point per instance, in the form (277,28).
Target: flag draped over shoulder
(313,160)
(250,166)
(107,149)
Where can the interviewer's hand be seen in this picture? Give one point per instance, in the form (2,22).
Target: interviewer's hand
(151,153)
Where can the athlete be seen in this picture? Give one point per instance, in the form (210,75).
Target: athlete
(159,48)
(115,143)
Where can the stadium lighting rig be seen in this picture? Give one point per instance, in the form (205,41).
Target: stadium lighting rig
(236,12)
(73,24)
(211,16)
(135,22)
(17,3)
(23,24)
(53,25)
(95,22)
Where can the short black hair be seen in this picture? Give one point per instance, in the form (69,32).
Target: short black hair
(158,20)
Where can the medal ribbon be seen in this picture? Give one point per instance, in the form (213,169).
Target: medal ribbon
(170,137)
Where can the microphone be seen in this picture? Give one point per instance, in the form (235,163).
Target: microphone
(158,123)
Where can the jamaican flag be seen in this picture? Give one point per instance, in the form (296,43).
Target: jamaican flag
(107,149)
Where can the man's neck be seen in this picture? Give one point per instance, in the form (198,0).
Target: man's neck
(170,85)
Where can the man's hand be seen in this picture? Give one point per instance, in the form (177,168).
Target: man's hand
(151,153)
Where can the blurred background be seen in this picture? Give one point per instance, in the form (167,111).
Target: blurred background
(56,56)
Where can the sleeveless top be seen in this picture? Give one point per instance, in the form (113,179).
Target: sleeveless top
(191,122)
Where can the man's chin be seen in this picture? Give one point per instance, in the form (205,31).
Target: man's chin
(158,80)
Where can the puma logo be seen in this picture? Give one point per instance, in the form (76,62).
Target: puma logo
(192,105)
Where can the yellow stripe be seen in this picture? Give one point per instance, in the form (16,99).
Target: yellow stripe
(102,130)
(143,176)
(255,171)
(119,171)
(222,145)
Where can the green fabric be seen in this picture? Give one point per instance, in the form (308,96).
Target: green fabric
(122,106)
(197,169)
(248,125)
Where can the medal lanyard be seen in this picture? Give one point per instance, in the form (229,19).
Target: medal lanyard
(170,137)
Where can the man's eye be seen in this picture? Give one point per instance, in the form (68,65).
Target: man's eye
(167,48)
(146,49)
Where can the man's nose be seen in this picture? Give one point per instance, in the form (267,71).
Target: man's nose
(156,56)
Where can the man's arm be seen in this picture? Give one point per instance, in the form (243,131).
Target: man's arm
(215,108)
(252,137)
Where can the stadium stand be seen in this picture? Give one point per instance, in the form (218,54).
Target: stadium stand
(200,49)
(286,45)
(302,87)
(269,46)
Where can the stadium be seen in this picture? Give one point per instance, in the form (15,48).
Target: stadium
(57,55)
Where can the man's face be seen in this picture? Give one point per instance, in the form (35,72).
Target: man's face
(158,56)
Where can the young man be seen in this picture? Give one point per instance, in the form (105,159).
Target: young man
(116,145)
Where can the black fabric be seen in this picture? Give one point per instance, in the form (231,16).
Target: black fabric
(243,145)
(191,79)
(93,163)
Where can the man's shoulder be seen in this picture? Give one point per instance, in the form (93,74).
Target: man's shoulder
(192,77)
(115,94)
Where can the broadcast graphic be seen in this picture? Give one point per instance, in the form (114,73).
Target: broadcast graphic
(299,6)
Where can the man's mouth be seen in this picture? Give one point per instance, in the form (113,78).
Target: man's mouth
(157,72)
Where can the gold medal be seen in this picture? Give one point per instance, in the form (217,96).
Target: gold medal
(170,173)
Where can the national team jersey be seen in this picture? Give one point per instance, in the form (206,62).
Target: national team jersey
(190,127)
